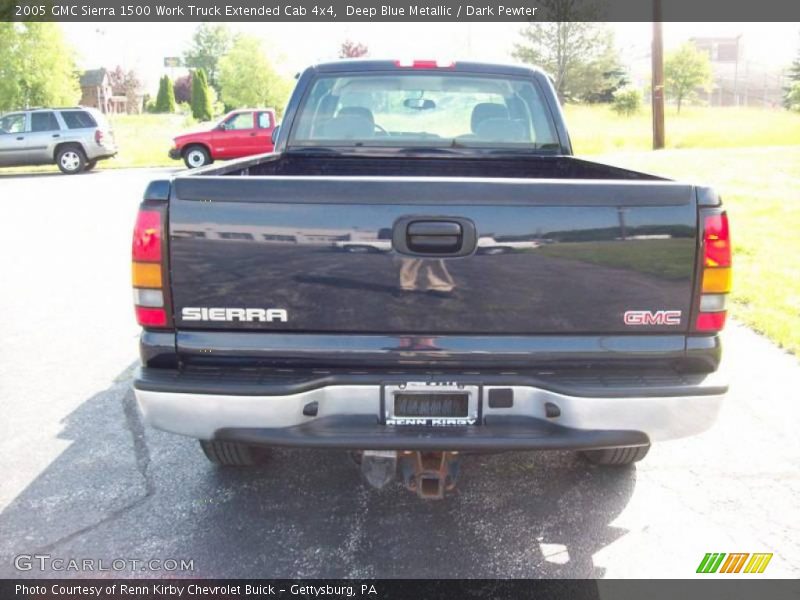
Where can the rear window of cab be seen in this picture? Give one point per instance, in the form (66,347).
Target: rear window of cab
(419,108)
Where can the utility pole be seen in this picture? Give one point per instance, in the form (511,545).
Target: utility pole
(657,92)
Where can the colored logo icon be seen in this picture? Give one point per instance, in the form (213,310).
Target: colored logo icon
(719,562)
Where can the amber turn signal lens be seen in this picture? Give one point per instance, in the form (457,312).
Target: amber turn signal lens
(146,275)
(717,281)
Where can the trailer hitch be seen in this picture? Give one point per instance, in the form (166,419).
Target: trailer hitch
(428,474)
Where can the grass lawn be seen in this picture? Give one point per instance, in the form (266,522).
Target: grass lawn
(596,129)
(761,191)
(144,140)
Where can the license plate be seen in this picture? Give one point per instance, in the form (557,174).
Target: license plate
(431,404)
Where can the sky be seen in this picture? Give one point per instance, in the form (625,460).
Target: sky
(293,46)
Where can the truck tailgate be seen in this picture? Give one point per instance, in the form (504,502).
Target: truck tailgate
(550,256)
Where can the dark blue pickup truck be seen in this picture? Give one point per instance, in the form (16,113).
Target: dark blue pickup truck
(422,269)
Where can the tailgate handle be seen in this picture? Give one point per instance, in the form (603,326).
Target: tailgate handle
(434,236)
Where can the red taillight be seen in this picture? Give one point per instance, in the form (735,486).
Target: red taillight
(98,136)
(425,64)
(717,242)
(151,317)
(711,321)
(148,272)
(715,277)
(147,236)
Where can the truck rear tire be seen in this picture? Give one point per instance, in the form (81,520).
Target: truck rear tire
(196,156)
(233,454)
(617,457)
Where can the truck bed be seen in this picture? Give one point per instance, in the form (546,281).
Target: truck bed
(424,163)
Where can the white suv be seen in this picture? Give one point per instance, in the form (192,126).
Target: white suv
(72,138)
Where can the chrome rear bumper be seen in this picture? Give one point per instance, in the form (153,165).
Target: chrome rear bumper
(353,415)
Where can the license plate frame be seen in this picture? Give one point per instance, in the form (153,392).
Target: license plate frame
(431,388)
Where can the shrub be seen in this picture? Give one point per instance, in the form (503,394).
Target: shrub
(627,101)
(184,109)
(793,97)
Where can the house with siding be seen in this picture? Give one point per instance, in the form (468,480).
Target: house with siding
(96,90)
(737,80)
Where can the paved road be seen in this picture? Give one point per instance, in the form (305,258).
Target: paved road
(81,478)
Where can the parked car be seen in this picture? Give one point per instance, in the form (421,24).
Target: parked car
(603,339)
(74,138)
(489,245)
(364,245)
(240,133)
(379,241)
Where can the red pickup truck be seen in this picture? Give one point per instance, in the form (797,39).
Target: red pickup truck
(240,133)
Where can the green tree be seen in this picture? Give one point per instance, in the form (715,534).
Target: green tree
(246,77)
(790,97)
(685,70)
(578,54)
(161,95)
(201,99)
(37,66)
(165,100)
(209,43)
